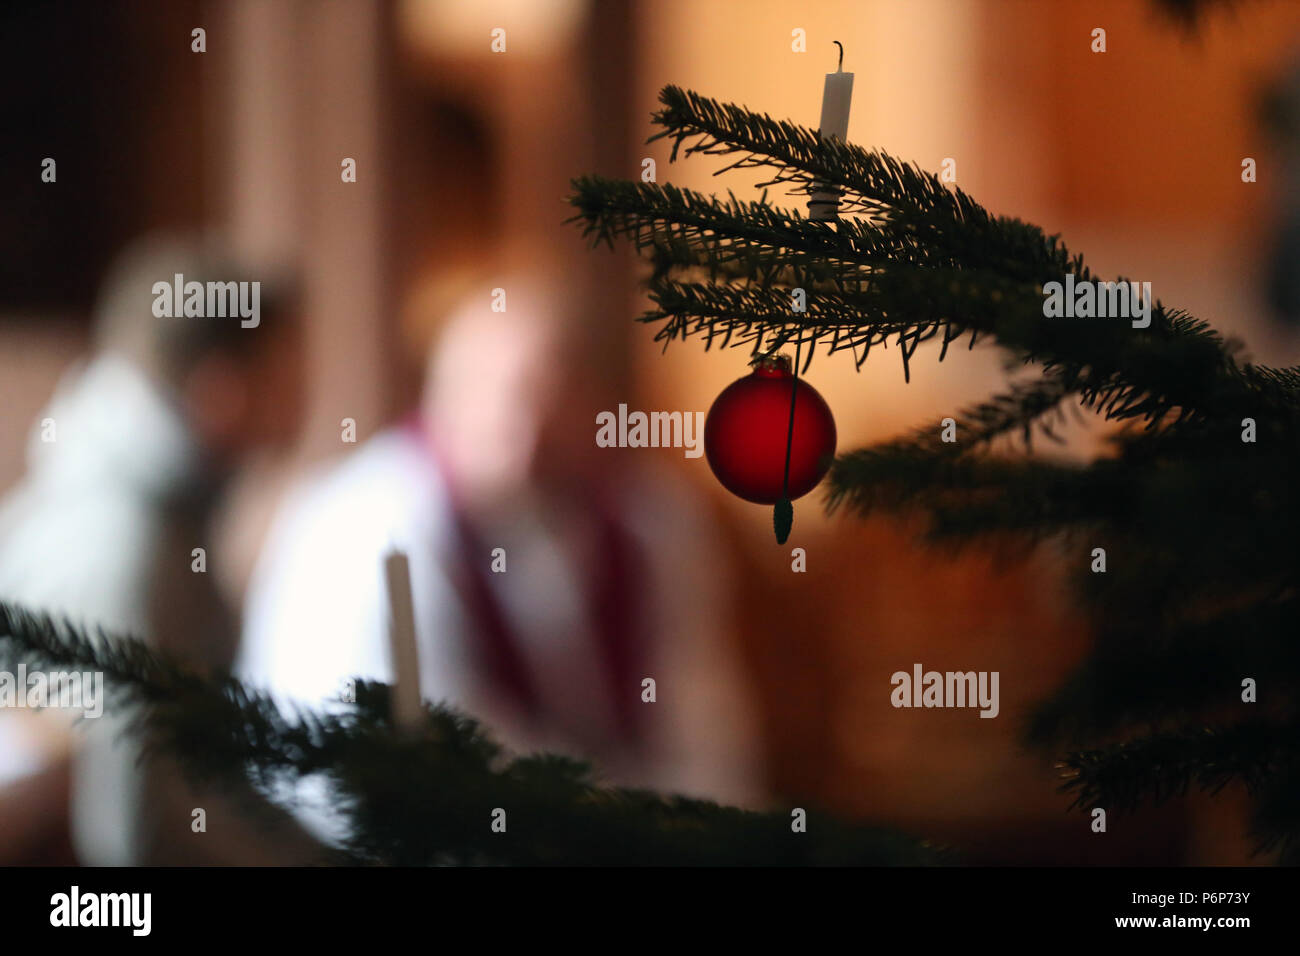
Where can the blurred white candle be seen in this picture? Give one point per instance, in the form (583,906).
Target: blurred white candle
(836,98)
(401,637)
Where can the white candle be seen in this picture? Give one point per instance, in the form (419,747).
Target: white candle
(401,638)
(837,94)
(836,97)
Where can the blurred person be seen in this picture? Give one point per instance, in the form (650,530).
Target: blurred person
(124,467)
(610,576)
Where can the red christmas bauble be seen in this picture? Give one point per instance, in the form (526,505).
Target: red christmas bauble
(746,430)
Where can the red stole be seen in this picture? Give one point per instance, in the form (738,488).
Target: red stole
(613,596)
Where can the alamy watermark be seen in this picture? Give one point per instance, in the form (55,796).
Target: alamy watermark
(652,430)
(948,689)
(133,911)
(66,690)
(1090,299)
(211,300)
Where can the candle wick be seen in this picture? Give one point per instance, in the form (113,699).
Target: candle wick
(840,68)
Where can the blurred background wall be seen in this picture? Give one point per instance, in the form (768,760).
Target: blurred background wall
(463,159)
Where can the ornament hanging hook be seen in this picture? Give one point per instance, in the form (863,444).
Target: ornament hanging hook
(840,67)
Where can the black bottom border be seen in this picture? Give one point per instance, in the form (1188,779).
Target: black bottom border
(972,904)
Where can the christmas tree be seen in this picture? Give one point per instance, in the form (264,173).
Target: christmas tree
(1182,536)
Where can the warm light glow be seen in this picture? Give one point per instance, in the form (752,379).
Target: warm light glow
(464,27)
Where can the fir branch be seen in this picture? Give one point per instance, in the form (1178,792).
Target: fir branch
(427,797)
(1017,410)
(706,229)
(1179,366)
(872,183)
(897,197)
(1163,766)
(969,495)
(1140,677)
